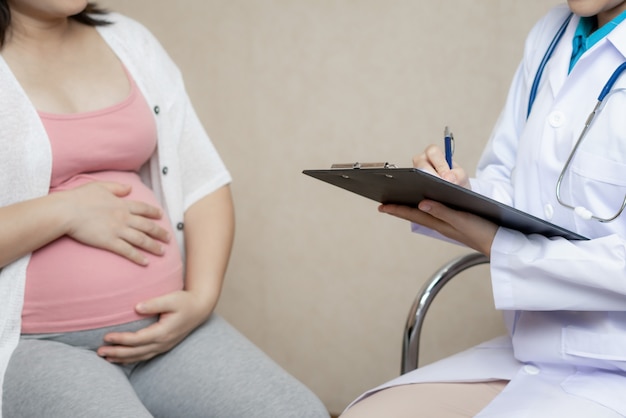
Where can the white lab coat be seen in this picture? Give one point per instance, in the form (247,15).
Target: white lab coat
(564,301)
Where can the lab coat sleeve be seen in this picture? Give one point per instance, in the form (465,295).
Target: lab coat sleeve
(537,273)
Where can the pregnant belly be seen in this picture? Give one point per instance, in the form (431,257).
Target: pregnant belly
(71,286)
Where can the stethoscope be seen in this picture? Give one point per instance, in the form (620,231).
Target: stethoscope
(606,90)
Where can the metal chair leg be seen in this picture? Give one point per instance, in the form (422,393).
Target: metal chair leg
(417,313)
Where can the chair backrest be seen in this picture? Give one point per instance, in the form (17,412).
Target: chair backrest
(423,300)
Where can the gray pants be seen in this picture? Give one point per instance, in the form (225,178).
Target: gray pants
(214,372)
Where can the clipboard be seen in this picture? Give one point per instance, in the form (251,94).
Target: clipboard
(385,183)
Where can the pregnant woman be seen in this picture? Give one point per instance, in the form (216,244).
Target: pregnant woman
(116,227)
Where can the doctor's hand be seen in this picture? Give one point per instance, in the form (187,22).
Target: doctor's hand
(433,161)
(466,228)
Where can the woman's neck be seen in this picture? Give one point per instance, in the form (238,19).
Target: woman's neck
(43,44)
(27,32)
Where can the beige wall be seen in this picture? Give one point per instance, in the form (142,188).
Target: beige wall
(318,278)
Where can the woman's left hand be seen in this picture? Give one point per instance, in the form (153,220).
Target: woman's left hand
(471,230)
(179,314)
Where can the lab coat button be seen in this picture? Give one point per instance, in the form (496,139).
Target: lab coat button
(548,210)
(556,119)
(530,369)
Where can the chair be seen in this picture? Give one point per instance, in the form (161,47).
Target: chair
(423,300)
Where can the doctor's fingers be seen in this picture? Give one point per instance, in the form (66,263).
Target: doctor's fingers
(409,214)
(471,230)
(432,160)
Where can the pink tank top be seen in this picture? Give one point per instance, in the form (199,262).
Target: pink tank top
(71,286)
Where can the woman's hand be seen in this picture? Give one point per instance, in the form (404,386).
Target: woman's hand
(179,314)
(209,231)
(100,217)
(433,160)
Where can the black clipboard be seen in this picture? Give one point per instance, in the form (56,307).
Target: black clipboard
(385,183)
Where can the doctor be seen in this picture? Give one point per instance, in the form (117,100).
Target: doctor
(564,301)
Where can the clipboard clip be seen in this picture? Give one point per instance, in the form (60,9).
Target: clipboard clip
(358,166)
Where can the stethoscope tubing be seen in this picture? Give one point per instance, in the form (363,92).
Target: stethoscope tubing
(609,84)
(544,62)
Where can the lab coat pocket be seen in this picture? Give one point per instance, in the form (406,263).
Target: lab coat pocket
(597,182)
(602,350)
(600,168)
(605,388)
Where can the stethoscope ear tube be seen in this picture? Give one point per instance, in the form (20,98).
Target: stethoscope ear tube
(544,61)
(609,84)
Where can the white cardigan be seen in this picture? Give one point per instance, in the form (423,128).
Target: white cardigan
(185,168)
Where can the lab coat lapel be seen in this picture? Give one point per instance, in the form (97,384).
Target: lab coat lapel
(617,37)
(558,67)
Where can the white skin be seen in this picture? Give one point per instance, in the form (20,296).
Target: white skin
(65,67)
(475,232)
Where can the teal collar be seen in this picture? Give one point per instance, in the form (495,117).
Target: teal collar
(587,35)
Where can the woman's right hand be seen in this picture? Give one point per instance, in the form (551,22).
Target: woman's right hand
(100,217)
(433,161)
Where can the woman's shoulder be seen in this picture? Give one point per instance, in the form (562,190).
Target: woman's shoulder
(133,41)
(140,51)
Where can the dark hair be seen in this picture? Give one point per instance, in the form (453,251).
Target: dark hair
(89,16)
